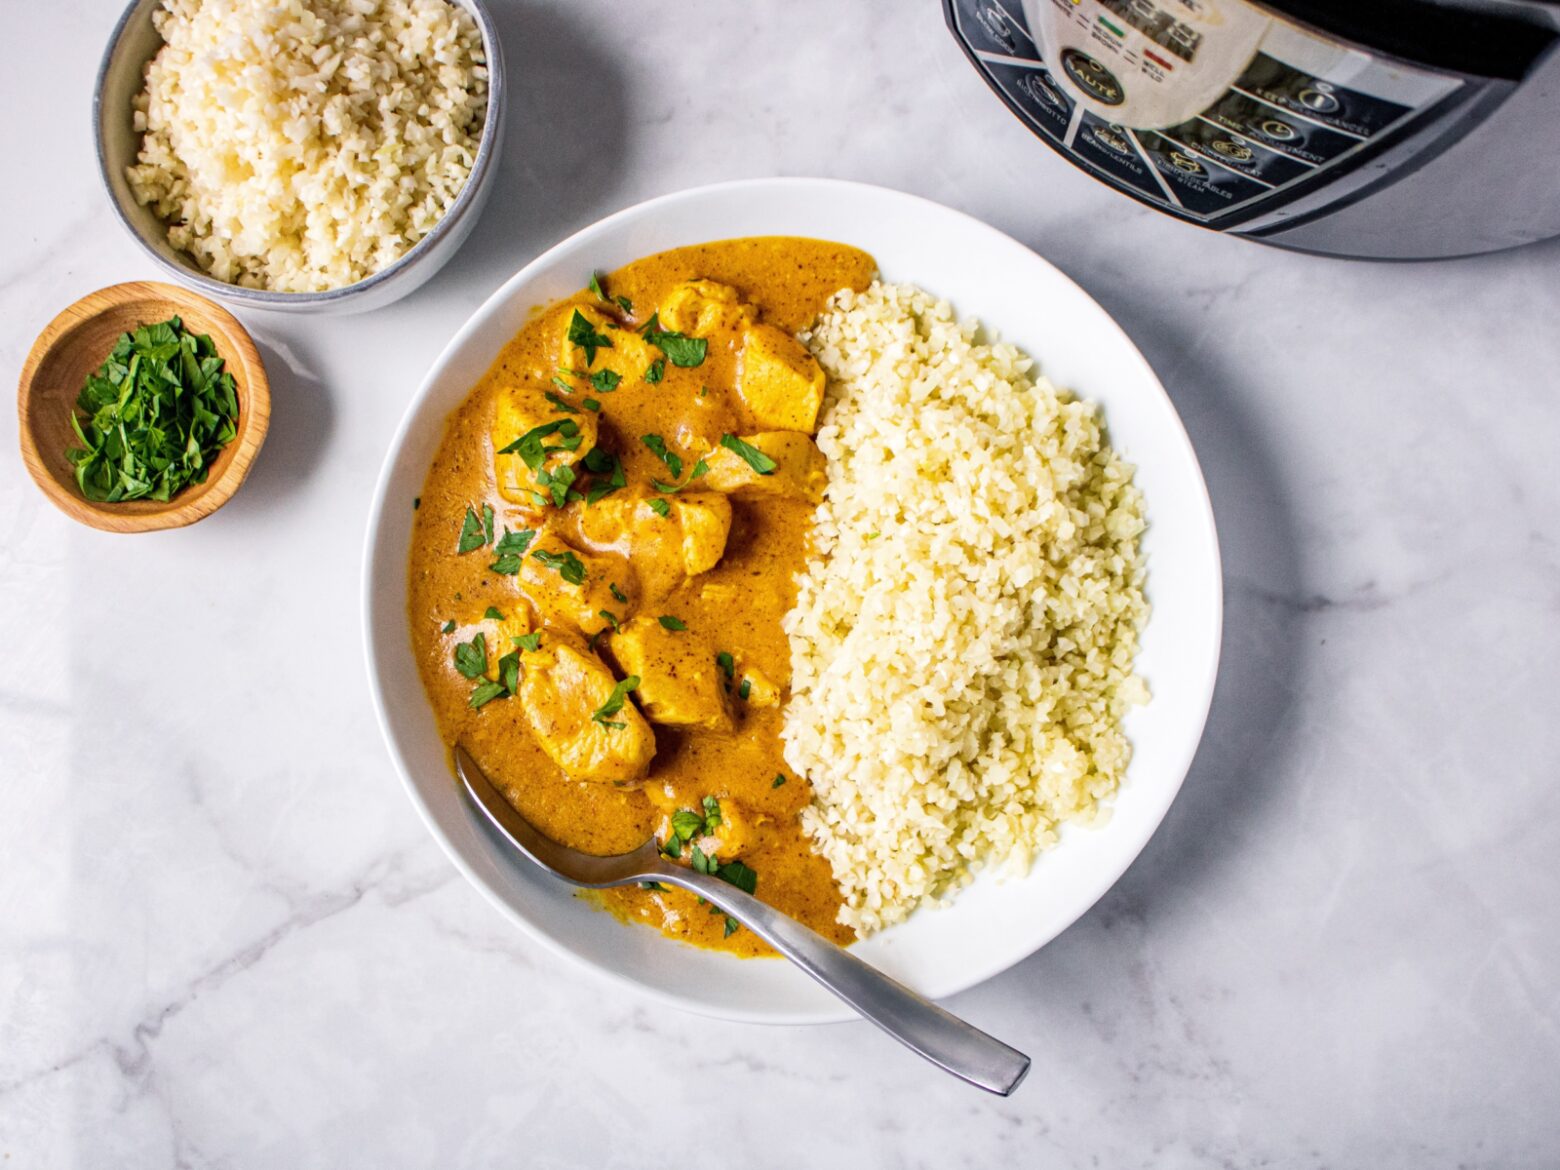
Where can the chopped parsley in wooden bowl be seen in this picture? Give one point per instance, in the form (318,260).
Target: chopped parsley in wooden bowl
(142,407)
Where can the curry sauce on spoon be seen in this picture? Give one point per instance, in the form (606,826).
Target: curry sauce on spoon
(632,483)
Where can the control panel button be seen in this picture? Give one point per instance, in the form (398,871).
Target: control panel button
(1092,77)
(990,26)
(1334,105)
(1244,155)
(1200,185)
(1044,104)
(1278,130)
(1108,148)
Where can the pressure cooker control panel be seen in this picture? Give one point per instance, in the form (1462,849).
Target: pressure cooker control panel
(1210,110)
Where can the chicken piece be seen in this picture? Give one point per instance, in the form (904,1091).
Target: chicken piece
(619,351)
(665,550)
(573,588)
(734,833)
(679,681)
(801,472)
(563,689)
(701,307)
(498,634)
(780,383)
(758,688)
(520,410)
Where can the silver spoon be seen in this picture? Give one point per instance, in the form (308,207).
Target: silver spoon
(918,1024)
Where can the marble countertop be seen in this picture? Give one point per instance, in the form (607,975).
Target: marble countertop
(228,941)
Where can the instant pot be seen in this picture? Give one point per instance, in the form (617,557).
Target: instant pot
(1377,128)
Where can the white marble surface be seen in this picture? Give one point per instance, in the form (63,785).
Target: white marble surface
(225,939)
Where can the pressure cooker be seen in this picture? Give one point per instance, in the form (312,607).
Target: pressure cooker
(1373,128)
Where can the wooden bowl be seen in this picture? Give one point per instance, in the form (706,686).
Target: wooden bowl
(74,345)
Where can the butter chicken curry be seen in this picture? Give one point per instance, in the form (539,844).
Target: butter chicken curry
(603,553)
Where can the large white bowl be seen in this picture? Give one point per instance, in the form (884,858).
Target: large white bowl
(992,924)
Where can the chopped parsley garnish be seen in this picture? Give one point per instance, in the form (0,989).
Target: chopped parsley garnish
(727,664)
(416,502)
(674,624)
(656,372)
(509,671)
(560,403)
(778,780)
(651,886)
(567,565)
(449,626)
(591,404)
(471,657)
(152,418)
(562,385)
(745,689)
(620,301)
(618,593)
(679,348)
(701,468)
(612,618)
(658,446)
(530,448)
(493,614)
(605,381)
(583,334)
(510,549)
(603,714)
(660,507)
(732,926)
(737,874)
(486,693)
(603,464)
(476,530)
(750,454)
(531,641)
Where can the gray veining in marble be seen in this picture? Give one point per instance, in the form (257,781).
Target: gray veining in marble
(225,939)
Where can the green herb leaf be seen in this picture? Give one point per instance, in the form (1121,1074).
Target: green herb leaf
(487,523)
(531,641)
(612,618)
(732,926)
(471,657)
(509,672)
(750,454)
(560,403)
(605,381)
(609,472)
(595,287)
(651,886)
(778,780)
(471,533)
(679,348)
(583,334)
(615,701)
(656,372)
(745,689)
(493,614)
(658,446)
(449,626)
(726,663)
(530,448)
(567,565)
(486,693)
(416,502)
(687,824)
(591,405)
(668,622)
(712,816)
(737,874)
(701,862)
(510,549)
(660,507)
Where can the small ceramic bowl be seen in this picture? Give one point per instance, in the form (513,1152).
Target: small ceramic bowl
(75,343)
(122,75)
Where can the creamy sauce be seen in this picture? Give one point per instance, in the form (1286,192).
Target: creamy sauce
(738,605)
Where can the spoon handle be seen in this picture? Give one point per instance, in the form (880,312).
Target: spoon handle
(917,1023)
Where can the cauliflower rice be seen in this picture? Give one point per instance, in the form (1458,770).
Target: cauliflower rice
(304,145)
(963,640)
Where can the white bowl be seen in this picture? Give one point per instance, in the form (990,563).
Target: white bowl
(992,924)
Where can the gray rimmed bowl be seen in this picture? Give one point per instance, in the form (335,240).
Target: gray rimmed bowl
(121,77)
